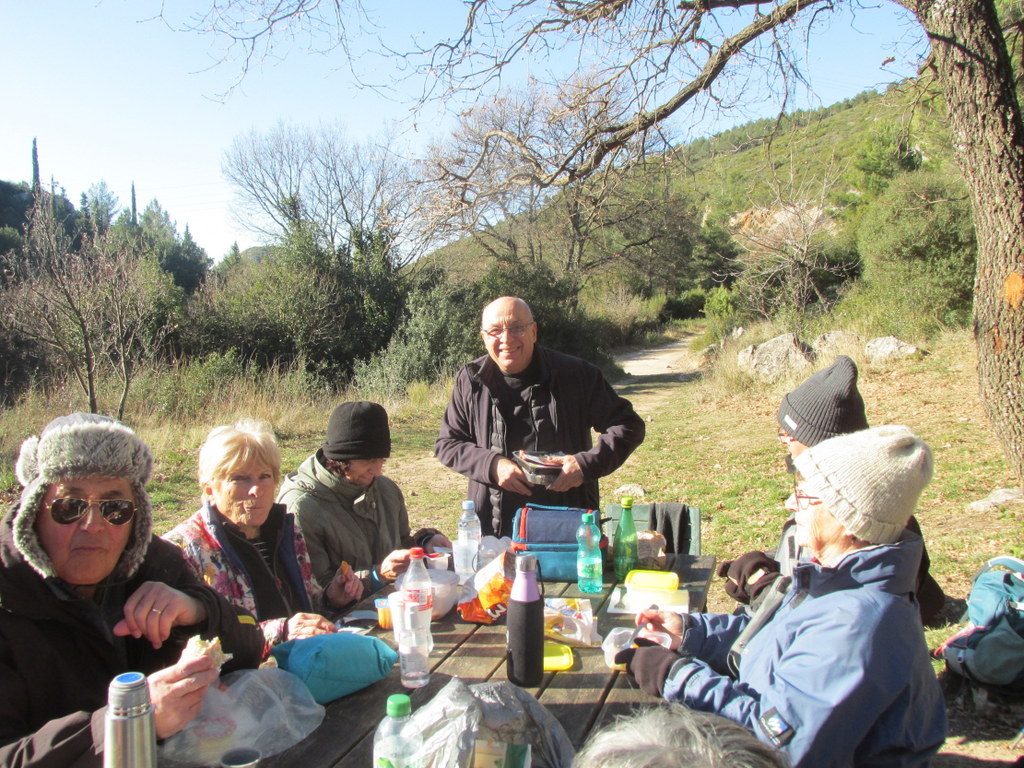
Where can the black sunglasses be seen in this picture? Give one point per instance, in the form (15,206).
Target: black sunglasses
(114,511)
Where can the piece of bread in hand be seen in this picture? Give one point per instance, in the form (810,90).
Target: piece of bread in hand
(197,647)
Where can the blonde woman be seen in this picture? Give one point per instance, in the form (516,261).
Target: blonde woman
(247,547)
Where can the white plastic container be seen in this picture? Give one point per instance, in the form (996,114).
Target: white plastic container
(445,588)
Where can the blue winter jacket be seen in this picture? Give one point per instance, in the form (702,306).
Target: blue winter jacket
(839,677)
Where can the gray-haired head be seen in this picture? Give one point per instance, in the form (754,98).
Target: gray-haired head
(673,736)
(75,446)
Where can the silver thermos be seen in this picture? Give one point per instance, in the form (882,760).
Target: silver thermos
(130,733)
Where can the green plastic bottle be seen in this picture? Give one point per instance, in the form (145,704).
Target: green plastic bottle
(626,555)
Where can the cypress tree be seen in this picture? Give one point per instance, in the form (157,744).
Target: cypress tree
(36,185)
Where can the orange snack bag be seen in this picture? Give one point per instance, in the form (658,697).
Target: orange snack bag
(485,597)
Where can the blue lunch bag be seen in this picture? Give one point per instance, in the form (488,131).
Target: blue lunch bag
(549,533)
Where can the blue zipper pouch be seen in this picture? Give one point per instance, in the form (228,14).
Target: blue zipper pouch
(549,533)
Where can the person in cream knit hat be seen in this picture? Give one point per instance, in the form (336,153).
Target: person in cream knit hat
(839,674)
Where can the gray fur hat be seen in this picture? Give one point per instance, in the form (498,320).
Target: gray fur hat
(80,445)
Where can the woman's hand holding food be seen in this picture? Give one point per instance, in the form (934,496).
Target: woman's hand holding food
(345,587)
(177,693)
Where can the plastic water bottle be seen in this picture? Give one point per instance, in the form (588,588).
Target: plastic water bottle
(626,553)
(130,734)
(395,744)
(414,641)
(589,561)
(525,649)
(467,543)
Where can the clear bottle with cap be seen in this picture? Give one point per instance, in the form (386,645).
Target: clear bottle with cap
(525,643)
(466,548)
(589,560)
(130,734)
(414,640)
(396,744)
(626,553)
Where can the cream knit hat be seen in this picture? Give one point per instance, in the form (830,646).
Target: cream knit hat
(869,480)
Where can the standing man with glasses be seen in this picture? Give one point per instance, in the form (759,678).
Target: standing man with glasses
(87,592)
(523,396)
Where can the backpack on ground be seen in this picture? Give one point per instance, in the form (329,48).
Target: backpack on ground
(990,650)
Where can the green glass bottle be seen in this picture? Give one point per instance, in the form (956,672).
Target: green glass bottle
(626,557)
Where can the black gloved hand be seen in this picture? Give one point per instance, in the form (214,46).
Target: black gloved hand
(748,575)
(648,665)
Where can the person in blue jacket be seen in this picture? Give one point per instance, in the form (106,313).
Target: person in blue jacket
(840,675)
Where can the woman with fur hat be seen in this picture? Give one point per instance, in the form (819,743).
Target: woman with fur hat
(87,592)
(840,675)
(345,506)
(247,547)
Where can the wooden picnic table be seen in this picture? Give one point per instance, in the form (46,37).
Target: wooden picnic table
(581,699)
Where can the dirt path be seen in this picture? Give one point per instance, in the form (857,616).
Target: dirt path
(673,357)
(670,363)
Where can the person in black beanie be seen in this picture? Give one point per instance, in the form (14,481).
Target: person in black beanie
(345,507)
(826,405)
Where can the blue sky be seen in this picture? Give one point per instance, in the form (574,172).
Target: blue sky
(112,96)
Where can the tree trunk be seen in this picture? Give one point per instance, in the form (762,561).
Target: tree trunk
(988,138)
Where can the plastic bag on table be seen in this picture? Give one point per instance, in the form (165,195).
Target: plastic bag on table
(570,620)
(268,709)
(491,547)
(484,597)
(459,714)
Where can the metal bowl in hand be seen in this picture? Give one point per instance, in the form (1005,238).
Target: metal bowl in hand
(538,467)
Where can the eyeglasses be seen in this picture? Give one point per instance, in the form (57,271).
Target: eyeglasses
(515,331)
(114,511)
(803,500)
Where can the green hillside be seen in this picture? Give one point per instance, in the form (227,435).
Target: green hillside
(810,152)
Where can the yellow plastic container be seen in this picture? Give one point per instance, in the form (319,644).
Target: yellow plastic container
(557,657)
(647,588)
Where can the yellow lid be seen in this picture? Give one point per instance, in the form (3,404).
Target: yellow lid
(557,656)
(668,580)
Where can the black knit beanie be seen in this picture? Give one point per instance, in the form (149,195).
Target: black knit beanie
(826,405)
(358,430)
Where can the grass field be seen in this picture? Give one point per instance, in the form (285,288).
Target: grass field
(712,449)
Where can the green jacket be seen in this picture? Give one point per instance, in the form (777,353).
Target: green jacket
(342,521)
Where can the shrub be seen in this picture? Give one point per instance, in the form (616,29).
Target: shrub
(441,331)
(623,317)
(918,244)
(686,306)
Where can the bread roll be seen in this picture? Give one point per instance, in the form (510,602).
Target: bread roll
(197,647)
